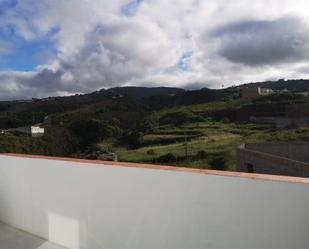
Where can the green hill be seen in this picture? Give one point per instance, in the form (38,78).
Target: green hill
(291,85)
(200,128)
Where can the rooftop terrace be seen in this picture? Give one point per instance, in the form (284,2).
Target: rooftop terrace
(91,204)
(12,238)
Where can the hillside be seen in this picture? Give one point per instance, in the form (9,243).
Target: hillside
(172,126)
(291,85)
(143,92)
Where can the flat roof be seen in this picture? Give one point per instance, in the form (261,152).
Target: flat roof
(252,176)
(13,238)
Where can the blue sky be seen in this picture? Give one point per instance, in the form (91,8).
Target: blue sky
(23,54)
(6,5)
(130,8)
(183,61)
(54,47)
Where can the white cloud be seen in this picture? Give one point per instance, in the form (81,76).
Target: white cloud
(98,46)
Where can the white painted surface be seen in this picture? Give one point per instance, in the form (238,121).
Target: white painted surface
(12,238)
(91,206)
(35,130)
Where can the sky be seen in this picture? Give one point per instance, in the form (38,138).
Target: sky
(64,47)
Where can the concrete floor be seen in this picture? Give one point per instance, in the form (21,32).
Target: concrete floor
(11,238)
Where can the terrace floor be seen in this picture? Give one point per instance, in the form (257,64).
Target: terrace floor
(12,238)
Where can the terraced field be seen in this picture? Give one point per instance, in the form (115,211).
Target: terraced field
(176,138)
(193,145)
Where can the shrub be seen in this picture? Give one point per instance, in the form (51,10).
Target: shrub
(202,154)
(151,152)
(134,139)
(226,120)
(179,118)
(167,158)
(218,163)
(148,125)
(90,131)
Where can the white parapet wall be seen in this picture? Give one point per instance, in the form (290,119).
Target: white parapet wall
(87,205)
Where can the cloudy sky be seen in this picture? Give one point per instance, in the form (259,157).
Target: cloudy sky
(62,47)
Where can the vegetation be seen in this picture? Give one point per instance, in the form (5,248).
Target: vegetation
(199,129)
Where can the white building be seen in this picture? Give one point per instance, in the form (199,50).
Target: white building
(36,131)
(266,91)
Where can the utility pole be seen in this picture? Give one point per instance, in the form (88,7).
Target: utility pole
(186,146)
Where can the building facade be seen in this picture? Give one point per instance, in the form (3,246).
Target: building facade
(36,131)
(288,159)
(33,131)
(250,93)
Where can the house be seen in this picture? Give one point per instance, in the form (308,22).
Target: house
(289,159)
(33,131)
(252,93)
(37,131)
(266,91)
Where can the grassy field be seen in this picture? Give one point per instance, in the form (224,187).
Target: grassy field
(204,145)
(183,136)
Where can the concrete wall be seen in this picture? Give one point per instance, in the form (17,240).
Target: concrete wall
(282,122)
(264,163)
(83,205)
(298,151)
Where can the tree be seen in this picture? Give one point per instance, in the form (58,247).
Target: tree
(94,130)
